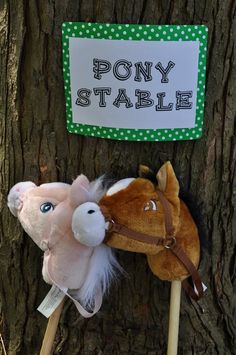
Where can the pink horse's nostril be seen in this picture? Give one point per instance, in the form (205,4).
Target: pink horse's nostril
(91,211)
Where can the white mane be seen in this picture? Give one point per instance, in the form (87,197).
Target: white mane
(103,266)
(97,189)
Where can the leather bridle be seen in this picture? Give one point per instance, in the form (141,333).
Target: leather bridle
(169,242)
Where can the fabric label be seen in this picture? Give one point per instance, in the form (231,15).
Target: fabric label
(51,301)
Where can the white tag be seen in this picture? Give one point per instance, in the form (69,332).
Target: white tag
(51,301)
(203,286)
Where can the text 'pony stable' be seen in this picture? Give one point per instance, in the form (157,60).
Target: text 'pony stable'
(122,71)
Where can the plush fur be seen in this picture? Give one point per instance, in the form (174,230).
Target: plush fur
(135,204)
(127,207)
(67,263)
(103,267)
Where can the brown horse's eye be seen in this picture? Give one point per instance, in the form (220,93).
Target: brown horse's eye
(150,206)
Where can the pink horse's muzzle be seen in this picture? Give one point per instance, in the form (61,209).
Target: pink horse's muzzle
(88,224)
(16,196)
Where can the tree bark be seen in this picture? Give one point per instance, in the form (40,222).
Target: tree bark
(36,146)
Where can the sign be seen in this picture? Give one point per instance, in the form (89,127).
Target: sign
(135,82)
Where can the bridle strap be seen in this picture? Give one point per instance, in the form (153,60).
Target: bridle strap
(97,297)
(168,214)
(139,236)
(169,242)
(179,252)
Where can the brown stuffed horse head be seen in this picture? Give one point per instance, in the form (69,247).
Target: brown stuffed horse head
(142,209)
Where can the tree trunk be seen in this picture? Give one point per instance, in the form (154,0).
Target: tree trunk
(36,146)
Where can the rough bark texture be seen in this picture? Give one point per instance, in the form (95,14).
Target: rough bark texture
(36,146)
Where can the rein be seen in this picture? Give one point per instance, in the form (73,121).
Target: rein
(48,251)
(169,242)
(97,298)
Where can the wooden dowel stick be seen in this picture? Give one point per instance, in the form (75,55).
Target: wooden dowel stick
(51,330)
(173,332)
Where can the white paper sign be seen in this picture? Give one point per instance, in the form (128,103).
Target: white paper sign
(134,82)
(174,108)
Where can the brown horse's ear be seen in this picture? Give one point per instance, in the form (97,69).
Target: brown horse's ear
(167,181)
(144,170)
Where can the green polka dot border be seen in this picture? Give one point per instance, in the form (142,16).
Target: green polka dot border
(142,33)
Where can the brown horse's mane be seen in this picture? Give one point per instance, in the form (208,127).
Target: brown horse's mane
(197,215)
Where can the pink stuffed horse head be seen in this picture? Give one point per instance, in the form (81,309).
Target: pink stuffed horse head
(47,209)
(45,212)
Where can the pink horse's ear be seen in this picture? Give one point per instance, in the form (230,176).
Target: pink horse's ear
(79,191)
(14,199)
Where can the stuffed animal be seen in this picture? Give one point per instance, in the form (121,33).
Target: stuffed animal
(141,216)
(45,212)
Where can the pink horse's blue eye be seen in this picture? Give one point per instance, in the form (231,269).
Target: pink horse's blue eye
(46,207)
